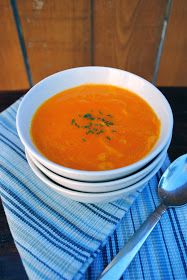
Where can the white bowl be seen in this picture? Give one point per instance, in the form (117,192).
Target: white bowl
(99,75)
(93,197)
(100,187)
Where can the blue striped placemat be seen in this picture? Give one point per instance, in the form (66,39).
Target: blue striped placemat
(58,238)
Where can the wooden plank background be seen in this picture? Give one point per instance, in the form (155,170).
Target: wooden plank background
(173,66)
(127,34)
(56,34)
(12,74)
(41,37)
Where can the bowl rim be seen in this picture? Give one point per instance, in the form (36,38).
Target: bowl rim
(68,170)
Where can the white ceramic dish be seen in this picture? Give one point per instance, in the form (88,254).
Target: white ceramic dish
(93,197)
(99,75)
(100,187)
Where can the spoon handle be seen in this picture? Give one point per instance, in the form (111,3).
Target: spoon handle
(122,260)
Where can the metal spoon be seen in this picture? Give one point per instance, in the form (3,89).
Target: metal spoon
(172,191)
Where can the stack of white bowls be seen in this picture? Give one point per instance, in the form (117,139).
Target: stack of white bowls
(94,186)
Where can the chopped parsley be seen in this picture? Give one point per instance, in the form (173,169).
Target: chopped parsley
(94,123)
(88,116)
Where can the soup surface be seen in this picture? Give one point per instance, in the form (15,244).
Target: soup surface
(95,127)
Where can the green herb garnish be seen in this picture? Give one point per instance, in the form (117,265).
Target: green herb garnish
(90,132)
(108,123)
(100,131)
(95,124)
(88,116)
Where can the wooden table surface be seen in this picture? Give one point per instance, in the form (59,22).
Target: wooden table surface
(11,267)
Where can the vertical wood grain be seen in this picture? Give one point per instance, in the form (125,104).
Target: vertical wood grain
(173,65)
(12,74)
(56,33)
(127,34)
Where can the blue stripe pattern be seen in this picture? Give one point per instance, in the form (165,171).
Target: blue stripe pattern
(62,239)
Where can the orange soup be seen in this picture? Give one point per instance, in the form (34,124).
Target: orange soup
(95,127)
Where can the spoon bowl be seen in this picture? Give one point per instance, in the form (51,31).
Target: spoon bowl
(172,189)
